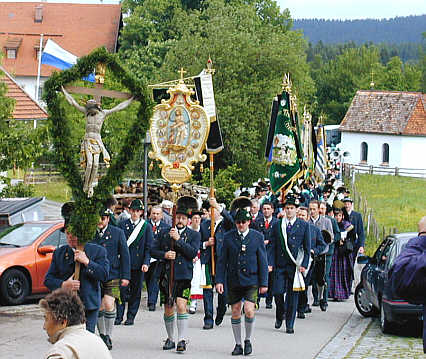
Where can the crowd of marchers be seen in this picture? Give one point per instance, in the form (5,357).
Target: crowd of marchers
(263,246)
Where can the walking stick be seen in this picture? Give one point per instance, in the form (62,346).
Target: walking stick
(212,216)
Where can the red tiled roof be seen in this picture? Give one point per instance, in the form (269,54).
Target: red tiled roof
(387,112)
(26,108)
(78,28)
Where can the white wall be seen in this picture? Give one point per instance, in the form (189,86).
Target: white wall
(351,142)
(28,83)
(414,152)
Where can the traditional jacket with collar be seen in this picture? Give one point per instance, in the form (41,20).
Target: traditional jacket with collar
(114,242)
(267,233)
(318,244)
(62,267)
(356,219)
(205,229)
(162,227)
(298,238)
(186,249)
(243,264)
(324,224)
(140,250)
(337,236)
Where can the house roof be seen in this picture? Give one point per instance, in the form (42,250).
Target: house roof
(78,28)
(26,108)
(387,112)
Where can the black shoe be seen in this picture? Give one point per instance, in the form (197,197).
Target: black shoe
(151,307)
(207,326)
(308,309)
(278,323)
(108,342)
(289,331)
(238,350)
(168,344)
(268,306)
(219,319)
(129,321)
(247,347)
(315,303)
(323,305)
(301,315)
(181,346)
(103,337)
(117,321)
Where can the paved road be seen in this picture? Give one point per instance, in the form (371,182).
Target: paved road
(22,336)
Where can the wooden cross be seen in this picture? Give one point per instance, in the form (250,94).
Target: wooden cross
(98,92)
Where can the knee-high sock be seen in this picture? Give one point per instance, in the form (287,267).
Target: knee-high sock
(109,321)
(101,322)
(236,329)
(170,325)
(182,325)
(249,324)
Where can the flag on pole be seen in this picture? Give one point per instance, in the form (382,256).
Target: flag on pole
(320,163)
(56,56)
(274,113)
(285,165)
(205,95)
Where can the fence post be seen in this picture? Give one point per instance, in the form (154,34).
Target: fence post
(396,171)
(368,221)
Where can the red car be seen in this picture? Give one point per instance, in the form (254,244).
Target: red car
(25,255)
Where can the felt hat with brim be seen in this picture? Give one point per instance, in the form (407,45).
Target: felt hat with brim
(240,203)
(66,212)
(186,205)
(242,215)
(136,204)
(291,199)
(347,199)
(105,212)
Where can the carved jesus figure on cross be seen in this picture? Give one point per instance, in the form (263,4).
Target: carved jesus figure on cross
(92,145)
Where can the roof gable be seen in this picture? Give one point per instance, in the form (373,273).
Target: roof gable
(26,108)
(78,28)
(387,112)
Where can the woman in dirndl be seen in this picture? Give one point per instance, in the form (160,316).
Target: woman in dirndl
(197,276)
(341,273)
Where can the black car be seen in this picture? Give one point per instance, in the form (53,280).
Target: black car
(373,295)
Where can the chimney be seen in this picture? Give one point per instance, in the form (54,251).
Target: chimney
(38,16)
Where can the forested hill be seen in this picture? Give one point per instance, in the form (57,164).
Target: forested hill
(397,30)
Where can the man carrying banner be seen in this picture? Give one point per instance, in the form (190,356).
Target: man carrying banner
(244,265)
(139,240)
(223,222)
(291,246)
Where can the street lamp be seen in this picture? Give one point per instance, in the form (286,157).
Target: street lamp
(146,143)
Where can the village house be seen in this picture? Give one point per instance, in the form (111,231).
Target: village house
(386,129)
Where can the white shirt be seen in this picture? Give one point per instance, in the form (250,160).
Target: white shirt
(291,221)
(244,233)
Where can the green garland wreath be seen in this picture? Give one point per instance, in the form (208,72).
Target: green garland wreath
(86,213)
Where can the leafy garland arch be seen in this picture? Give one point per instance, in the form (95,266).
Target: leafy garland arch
(86,213)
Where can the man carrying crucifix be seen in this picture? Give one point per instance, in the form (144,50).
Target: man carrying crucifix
(92,145)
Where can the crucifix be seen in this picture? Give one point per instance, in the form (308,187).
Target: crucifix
(92,145)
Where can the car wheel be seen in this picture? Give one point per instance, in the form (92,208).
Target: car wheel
(363,304)
(385,325)
(14,287)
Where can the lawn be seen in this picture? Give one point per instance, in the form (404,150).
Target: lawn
(55,191)
(397,202)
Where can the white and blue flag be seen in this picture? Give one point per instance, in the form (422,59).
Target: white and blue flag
(56,56)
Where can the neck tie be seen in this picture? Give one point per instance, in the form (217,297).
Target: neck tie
(289,227)
(266,224)
(154,228)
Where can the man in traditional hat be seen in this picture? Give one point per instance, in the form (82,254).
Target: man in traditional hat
(243,264)
(93,270)
(356,219)
(223,222)
(112,239)
(139,241)
(290,236)
(151,277)
(180,245)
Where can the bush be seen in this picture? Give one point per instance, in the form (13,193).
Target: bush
(19,190)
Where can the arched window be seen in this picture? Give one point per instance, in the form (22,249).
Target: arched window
(364,152)
(385,153)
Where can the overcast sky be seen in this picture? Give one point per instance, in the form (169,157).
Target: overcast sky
(353,9)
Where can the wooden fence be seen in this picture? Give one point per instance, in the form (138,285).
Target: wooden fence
(384,170)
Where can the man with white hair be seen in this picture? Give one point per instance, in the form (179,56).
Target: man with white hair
(167,206)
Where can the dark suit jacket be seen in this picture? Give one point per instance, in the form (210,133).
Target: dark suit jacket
(318,244)
(139,251)
(298,238)
(356,219)
(62,267)
(115,244)
(337,236)
(186,249)
(224,226)
(267,233)
(162,227)
(243,268)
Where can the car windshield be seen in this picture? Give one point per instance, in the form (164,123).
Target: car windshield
(22,235)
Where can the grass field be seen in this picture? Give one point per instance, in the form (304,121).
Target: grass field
(55,191)
(397,202)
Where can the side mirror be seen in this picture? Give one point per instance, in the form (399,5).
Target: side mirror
(362,259)
(46,249)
